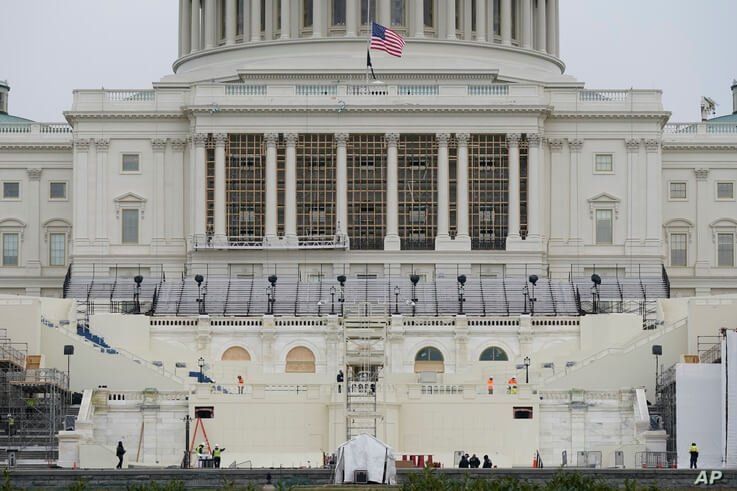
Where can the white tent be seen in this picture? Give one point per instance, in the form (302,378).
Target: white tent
(365,453)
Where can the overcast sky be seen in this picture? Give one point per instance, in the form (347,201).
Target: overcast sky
(50,47)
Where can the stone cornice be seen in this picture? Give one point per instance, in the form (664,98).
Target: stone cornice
(371,109)
(663,116)
(36,146)
(714,147)
(76,116)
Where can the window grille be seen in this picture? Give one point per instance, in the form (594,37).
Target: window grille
(366,191)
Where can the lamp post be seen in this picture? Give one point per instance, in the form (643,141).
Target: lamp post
(137,294)
(200,303)
(414,278)
(596,280)
(342,279)
(268,300)
(396,300)
(201,364)
(185,461)
(332,300)
(461,291)
(533,280)
(657,351)
(69,351)
(527,369)
(319,308)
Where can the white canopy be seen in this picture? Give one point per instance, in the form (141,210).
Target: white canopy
(366,453)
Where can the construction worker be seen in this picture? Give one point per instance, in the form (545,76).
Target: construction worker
(339,379)
(490,385)
(512,385)
(200,454)
(216,452)
(241,384)
(11,425)
(693,450)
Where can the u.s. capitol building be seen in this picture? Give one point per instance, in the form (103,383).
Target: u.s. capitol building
(274,193)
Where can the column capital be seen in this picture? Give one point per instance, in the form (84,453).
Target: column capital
(632,144)
(158,144)
(199,139)
(34,173)
(291,138)
(462,138)
(271,138)
(442,138)
(391,138)
(513,140)
(177,144)
(82,144)
(701,174)
(220,139)
(575,145)
(534,139)
(556,144)
(102,144)
(652,145)
(342,138)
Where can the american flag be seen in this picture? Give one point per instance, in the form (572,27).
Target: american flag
(387,40)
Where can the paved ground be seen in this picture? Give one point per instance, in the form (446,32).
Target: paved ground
(216,479)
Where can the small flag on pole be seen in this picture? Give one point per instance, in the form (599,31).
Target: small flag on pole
(369,64)
(384,39)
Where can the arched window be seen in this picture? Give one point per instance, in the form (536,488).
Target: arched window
(494,353)
(236,353)
(429,359)
(300,360)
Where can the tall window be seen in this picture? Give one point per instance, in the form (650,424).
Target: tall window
(366,184)
(307,14)
(57,249)
(244,185)
(604,227)
(129,232)
(473,15)
(398,13)
(239,18)
(494,353)
(497,18)
(10,249)
(366,15)
(678,249)
(417,178)
(428,14)
(315,185)
(459,16)
(337,14)
(263,15)
(515,20)
(488,176)
(725,250)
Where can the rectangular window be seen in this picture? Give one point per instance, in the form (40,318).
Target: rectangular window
(725,190)
(307,14)
(604,163)
(725,250)
(131,162)
(11,190)
(366,16)
(678,251)
(58,190)
(603,227)
(398,13)
(10,249)
(57,249)
(130,227)
(678,190)
(497,18)
(459,16)
(263,15)
(428,13)
(239,17)
(473,15)
(338,13)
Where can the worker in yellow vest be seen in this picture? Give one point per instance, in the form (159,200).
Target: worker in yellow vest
(216,453)
(490,385)
(693,450)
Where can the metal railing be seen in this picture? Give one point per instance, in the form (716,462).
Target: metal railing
(322,242)
(40,376)
(656,460)
(208,242)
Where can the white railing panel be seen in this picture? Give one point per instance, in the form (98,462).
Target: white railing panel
(245,90)
(317,90)
(130,95)
(596,95)
(371,90)
(420,90)
(488,90)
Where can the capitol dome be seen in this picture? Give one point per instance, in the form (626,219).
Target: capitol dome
(505,39)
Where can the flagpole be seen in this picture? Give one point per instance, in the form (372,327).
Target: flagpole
(368,43)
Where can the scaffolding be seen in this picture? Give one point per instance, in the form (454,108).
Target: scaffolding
(33,404)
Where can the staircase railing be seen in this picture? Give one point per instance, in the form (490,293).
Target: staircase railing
(666,280)
(67,281)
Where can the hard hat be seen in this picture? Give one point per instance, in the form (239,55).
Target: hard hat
(216,445)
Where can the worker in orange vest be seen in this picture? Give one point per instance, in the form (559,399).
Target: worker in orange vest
(512,385)
(490,385)
(241,384)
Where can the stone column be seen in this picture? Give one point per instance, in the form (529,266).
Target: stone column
(102,192)
(533,187)
(557,28)
(506,15)
(654,185)
(195,28)
(91,192)
(159,196)
(443,187)
(574,147)
(219,215)
(79,201)
(210,24)
(526,38)
(270,199)
(450,18)
(552,27)
(185,25)
(231,21)
(490,21)
(704,239)
(290,188)
(317,19)
(31,234)
(462,186)
(285,23)
(352,17)
(341,185)
(480,20)
(383,12)
(392,241)
(418,19)
(200,184)
(255,20)
(541,26)
(513,222)
(558,192)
